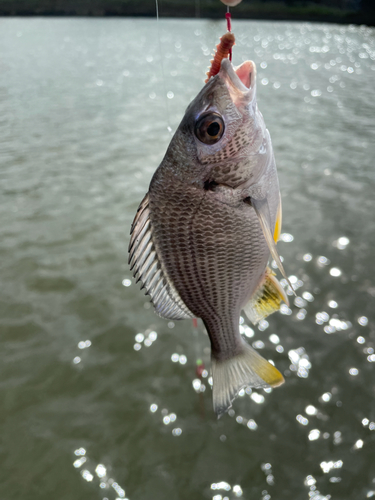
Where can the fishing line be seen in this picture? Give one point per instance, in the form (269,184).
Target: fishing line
(169,128)
(229,28)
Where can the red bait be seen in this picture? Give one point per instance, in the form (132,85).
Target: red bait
(223,50)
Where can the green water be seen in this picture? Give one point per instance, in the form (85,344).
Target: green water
(89,411)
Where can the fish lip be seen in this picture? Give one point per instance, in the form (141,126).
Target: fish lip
(241,79)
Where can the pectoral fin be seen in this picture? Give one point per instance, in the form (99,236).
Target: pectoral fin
(148,268)
(262,211)
(266,299)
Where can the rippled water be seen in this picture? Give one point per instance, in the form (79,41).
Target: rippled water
(100,399)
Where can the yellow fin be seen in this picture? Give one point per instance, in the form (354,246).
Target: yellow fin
(279,218)
(266,299)
(261,209)
(247,369)
(269,374)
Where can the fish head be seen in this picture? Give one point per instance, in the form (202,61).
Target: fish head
(223,129)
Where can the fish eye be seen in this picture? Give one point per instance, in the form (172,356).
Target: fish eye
(209,128)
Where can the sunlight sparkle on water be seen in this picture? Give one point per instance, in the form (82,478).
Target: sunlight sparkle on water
(310,481)
(263,325)
(335,272)
(301,315)
(311,410)
(257,398)
(249,332)
(358,444)
(300,302)
(328,466)
(139,337)
(197,384)
(337,325)
(274,338)
(302,420)
(363,321)
(79,462)
(314,434)
(342,242)
(237,490)
(152,336)
(220,486)
(83,344)
(258,344)
(286,237)
(323,261)
(252,425)
(100,470)
(300,362)
(120,491)
(332,304)
(87,475)
(326,397)
(284,309)
(182,359)
(321,317)
(308,296)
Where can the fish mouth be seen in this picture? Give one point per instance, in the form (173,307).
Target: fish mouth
(240,80)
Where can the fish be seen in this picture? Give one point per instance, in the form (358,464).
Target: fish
(204,233)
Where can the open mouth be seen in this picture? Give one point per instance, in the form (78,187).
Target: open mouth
(245,72)
(242,77)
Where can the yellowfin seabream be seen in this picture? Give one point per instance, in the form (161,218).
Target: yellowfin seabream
(204,232)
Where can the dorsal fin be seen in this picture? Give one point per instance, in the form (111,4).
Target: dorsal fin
(148,268)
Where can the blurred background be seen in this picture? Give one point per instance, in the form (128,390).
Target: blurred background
(339,11)
(100,398)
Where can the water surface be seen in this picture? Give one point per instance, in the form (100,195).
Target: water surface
(99,397)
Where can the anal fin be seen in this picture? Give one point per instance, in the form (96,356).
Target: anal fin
(266,299)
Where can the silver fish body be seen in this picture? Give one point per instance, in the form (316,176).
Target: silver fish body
(202,236)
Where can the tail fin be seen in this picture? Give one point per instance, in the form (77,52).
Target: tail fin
(248,369)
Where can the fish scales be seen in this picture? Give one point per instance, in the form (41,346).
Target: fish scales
(207,256)
(203,234)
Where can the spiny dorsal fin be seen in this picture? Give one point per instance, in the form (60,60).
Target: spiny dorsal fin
(148,268)
(266,299)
